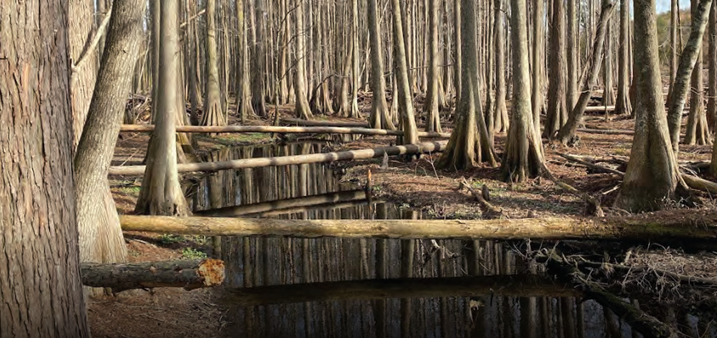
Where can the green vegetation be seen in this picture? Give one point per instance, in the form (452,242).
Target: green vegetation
(189,253)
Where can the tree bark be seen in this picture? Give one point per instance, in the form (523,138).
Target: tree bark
(40,283)
(573,55)
(244,106)
(697,131)
(83,78)
(259,65)
(100,234)
(469,144)
(660,227)
(500,112)
(302,103)
(652,174)
(161,193)
(404,91)
(623,104)
(712,64)
(189,275)
(431,105)
(213,113)
(556,86)
(523,155)
(537,85)
(379,117)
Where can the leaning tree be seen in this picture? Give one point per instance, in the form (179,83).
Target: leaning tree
(40,284)
(523,155)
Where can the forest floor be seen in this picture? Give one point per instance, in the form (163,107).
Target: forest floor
(417,184)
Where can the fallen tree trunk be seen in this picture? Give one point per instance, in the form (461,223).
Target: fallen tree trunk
(189,275)
(425,147)
(240,210)
(605,131)
(599,108)
(325,206)
(499,285)
(661,227)
(280,130)
(300,122)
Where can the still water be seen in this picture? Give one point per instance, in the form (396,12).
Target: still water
(329,287)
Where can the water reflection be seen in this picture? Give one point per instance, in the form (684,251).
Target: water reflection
(330,287)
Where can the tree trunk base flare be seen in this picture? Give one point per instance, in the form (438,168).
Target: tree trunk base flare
(420,148)
(189,275)
(364,130)
(498,285)
(644,323)
(656,227)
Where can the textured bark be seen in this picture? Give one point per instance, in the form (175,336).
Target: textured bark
(379,117)
(500,113)
(100,235)
(674,23)
(469,144)
(671,226)
(697,131)
(431,105)
(608,97)
(537,84)
(302,103)
(405,98)
(688,59)
(160,193)
(83,78)
(213,113)
(652,174)
(567,132)
(457,49)
(623,104)
(244,107)
(573,55)
(556,87)
(259,64)
(40,287)
(189,275)
(712,64)
(523,155)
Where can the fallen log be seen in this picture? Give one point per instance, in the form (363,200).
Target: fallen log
(189,275)
(669,226)
(695,182)
(307,201)
(489,211)
(591,165)
(606,131)
(300,122)
(425,147)
(279,130)
(599,108)
(499,285)
(325,206)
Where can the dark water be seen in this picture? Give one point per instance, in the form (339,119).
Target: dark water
(332,287)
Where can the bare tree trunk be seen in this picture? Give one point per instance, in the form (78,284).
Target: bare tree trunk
(355,70)
(652,174)
(523,155)
(213,114)
(379,117)
(712,61)
(537,85)
(83,77)
(457,50)
(469,144)
(556,86)
(573,55)
(608,97)
(623,105)
(302,103)
(430,107)
(244,107)
(697,131)
(500,113)
(405,98)
(101,239)
(40,284)
(160,193)
(674,29)
(258,66)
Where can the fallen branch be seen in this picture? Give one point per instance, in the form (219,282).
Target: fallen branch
(624,269)
(594,203)
(664,227)
(300,122)
(695,182)
(599,108)
(306,201)
(189,275)
(279,130)
(426,147)
(499,285)
(489,211)
(591,165)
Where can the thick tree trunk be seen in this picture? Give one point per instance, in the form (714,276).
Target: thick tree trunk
(556,86)
(652,174)
(189,275)
(469,144)
(712,64)
(411,149)
(40,283)
(83,78)
(688,60)
(661,227)
(623,104)
(213,113)
(500,113)
(161,193)
(431,105)
(101,239)
(302,103)
(523,155)
(379,117)
(405,98)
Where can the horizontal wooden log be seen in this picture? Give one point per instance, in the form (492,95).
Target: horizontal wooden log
(325,206)
(279,130)
(661,227)
(698,183)
(599,108)
(255,208)
(606,131)
(300,122)
(425,147)
(184,274)
(500,285)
